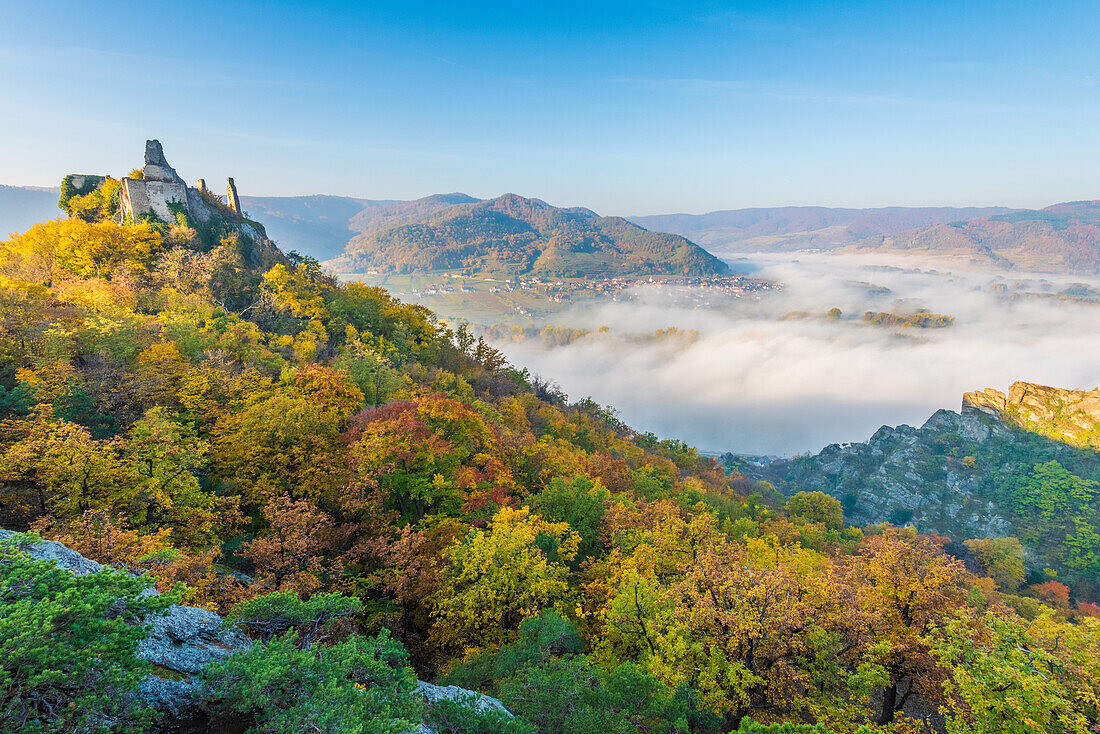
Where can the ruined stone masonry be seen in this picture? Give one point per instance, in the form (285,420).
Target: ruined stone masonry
(161,189)
(231,196)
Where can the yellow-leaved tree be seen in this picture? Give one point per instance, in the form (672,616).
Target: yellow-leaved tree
(500,576)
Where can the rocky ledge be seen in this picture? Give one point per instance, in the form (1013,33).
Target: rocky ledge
(181,642)
(184,640)
(1072,416)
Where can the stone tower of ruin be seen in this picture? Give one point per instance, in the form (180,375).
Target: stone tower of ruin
(231,196)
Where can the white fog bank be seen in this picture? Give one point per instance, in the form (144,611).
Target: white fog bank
(756,382)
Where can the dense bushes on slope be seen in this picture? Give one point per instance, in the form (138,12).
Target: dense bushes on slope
(236,421)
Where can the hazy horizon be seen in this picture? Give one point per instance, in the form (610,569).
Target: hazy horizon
(625,108)
(250,194)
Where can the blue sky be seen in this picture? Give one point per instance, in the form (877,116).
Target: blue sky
(628,108)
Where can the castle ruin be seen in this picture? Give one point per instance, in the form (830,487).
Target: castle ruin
(161,190)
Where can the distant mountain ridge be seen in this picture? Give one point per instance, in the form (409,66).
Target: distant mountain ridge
(1064,237)
(515,235)
(317,225)
(803,227)
(21,207)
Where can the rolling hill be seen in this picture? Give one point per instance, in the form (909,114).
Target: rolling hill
(514,235)
(787,228)
(1063,237)
(321,226)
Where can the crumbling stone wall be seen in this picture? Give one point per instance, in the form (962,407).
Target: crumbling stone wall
(160,187)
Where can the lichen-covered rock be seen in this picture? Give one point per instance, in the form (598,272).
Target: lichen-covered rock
(51,550)
(180,643)
(433,694)
(187,639)
(902,475)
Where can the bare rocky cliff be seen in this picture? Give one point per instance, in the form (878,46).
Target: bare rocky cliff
(1072,416)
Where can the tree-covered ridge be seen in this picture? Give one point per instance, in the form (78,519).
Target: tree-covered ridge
(233,420)
(513,235)
(973,476)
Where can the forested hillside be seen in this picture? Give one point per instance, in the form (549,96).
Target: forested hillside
(362,489)
(511,235)
(976,475)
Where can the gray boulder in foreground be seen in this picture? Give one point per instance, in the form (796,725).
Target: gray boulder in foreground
(184,640)
(478,701)
(181,642)
(51,550)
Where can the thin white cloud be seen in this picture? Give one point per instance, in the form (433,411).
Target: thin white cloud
(772,90)
(134,68)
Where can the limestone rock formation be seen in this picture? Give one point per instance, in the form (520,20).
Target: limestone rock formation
(184,640)
(180,643)
(948,475)
(988,401)
(897,476)
(1072,416)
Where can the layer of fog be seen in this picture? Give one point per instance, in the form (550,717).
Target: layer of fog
(755,382)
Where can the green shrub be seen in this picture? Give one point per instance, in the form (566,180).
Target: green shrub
(271,615)
(540,639)
(67,647)
(570,695)
(360,686)
(68,190)
(461,716)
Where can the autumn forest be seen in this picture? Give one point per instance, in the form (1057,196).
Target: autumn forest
(373,496)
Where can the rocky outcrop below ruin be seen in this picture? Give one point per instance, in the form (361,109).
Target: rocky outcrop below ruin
(951,475)
(184,640)
(1072,416)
